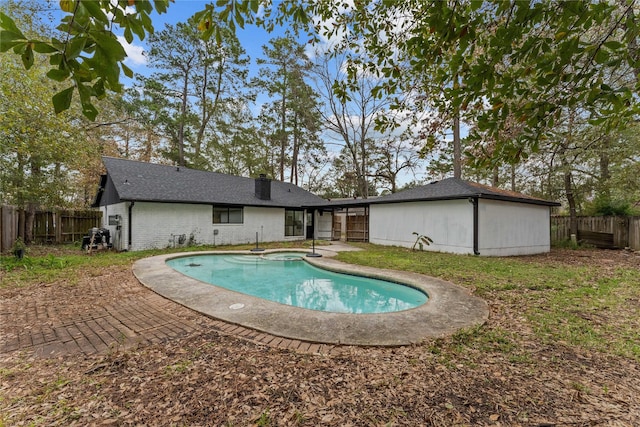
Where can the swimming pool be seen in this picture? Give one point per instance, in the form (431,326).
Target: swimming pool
(448,308)
(287,279)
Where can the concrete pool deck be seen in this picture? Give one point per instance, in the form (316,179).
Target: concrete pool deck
(449,308)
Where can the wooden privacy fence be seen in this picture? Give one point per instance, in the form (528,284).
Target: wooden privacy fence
(601,231)
(61,226)
(8,227)
(357,228)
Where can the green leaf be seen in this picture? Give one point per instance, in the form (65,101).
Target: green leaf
(7,23)
(98,88)
(126,70)
(239,19)
(75,47)
(95,11)
(27,57)
(110,45)
(601,56)
(142,6)
(9,40)
(128,36)
(161,6)
(62,100)
(613,45)
(137,28)
(58,75)
(88,110)
(56,59)
(67,5)
(146,22)
(42,47)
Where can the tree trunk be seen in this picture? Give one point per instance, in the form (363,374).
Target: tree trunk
(29,219)
(183,118)
(605,172)
(495,179)
(22,225)
(296,149)
(568,178)
(571,200)
(203,113)
(283,126)
(513,177)
(457,149)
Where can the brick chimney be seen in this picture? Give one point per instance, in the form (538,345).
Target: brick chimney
(263,187)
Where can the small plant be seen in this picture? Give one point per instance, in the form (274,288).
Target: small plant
(421,241)
(264,420)
(19,248)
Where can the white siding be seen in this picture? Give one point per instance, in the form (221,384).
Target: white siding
(507,228)
(448,222)
(324,223)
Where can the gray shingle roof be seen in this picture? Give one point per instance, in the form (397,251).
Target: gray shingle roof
(447,189)
(140,181)
(455,188)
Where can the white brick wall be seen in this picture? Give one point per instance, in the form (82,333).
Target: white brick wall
(267,222)
(159,225)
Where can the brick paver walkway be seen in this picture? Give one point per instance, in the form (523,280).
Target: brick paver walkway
(101,316)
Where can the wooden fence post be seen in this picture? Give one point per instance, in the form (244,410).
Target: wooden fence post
(8,227)
(58,226)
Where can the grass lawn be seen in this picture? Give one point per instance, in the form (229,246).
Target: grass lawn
(561,347)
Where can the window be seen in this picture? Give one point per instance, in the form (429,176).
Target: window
(227,215)
(293,223)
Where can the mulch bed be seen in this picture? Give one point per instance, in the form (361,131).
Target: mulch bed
(205,377)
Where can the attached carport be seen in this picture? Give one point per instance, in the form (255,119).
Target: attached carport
(350,219)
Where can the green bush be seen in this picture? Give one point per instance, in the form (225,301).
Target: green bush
(605,206)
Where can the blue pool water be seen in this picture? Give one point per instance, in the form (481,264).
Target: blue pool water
(286,278)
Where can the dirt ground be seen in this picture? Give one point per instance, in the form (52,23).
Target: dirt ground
(203,376)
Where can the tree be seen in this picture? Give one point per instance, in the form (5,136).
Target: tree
(238,147)
(390,156)
(205,81)
(175,52)
(350,113)
(492,51)
(284,67)
(40,152)
(543,41)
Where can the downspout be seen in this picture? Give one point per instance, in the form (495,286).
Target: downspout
(474,201)
(129,225)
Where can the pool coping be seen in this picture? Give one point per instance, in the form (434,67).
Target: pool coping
(449,308)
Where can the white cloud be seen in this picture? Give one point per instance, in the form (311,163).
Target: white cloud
(135,54)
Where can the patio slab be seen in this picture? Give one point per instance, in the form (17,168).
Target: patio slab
(448,309)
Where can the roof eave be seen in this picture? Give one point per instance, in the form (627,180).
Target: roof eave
(200,202)
(518,200)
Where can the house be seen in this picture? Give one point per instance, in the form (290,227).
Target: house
(154,206)
(147,205)
(464,218)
